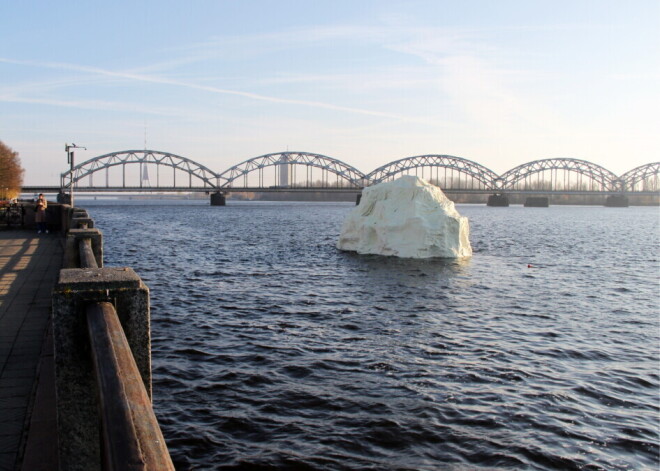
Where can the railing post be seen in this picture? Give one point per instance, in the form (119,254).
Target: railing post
(77,410)
(80,219)
(71,252)
(87,258)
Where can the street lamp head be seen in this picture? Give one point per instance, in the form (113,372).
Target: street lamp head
(69,155)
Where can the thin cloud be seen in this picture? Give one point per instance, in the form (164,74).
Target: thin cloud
(479,86)
(262,43)
(216,90)
(637,77)
(92,105)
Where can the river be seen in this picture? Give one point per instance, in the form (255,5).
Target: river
(272,350)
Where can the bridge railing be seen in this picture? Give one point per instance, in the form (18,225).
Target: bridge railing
(103,360)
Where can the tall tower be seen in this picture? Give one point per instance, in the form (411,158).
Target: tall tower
(284,170)
(144,175)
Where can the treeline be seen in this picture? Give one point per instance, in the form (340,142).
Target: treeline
(460,198)
(11,173)
(457,183)
(294,196)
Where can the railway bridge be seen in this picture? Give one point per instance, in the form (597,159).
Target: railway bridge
(139,171)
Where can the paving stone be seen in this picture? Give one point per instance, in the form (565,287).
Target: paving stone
(29,268)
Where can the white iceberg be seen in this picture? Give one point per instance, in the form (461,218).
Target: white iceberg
(408,218)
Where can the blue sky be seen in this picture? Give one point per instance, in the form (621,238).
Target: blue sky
(366,82)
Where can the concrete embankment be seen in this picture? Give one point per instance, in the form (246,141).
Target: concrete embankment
(75,353)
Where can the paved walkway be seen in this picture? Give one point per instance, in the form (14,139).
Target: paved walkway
(29,267)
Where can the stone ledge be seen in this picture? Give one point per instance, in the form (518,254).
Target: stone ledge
(98,278)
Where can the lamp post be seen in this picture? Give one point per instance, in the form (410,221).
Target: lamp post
(69,159)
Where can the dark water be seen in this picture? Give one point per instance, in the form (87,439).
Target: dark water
(274,350)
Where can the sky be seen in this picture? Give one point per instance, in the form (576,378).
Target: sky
(365,82)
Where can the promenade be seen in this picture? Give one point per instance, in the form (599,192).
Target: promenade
(29,267)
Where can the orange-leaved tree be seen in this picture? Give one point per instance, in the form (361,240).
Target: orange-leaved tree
(11,172)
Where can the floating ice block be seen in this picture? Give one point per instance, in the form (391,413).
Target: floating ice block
(408,218)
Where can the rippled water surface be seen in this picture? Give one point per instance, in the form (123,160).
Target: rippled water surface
(274,350)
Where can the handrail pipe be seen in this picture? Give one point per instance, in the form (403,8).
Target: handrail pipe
(131,437)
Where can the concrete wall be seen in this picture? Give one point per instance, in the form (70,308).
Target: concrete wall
(76,389)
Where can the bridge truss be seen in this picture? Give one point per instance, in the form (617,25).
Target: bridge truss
(560,175)
(292,170)
(145,159)
(642,178)
(449,172)
(298,171)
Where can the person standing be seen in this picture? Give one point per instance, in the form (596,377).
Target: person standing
(40,214)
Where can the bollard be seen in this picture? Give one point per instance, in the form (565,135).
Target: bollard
(76,390)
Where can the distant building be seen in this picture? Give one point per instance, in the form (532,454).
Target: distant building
(284,171)
(145,175)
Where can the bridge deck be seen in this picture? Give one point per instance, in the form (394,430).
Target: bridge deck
(137,189)
(29,266)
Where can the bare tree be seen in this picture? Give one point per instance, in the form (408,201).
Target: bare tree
(11,172)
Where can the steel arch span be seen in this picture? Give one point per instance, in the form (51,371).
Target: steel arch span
(522,173)
(327,164)
(102,162)
(485,176)
(644,175)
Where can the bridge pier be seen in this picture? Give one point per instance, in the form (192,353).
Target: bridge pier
(537,202)
(218,199)
(358,198)
(617,201)
(499,200)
